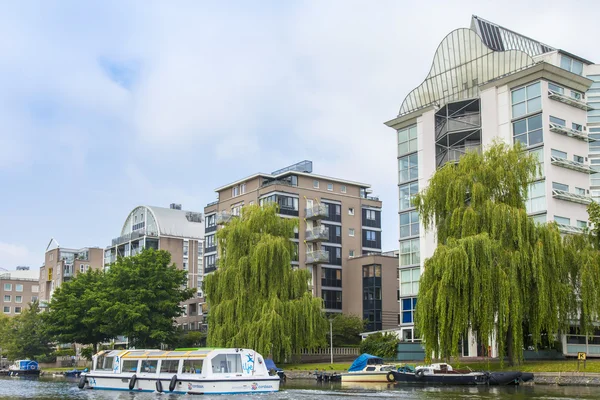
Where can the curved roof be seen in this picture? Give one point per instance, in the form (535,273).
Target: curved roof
(461,63)
(169,222)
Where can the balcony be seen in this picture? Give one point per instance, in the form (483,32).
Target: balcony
(574,165)
(563,130)
(133,236)
(573,102)
(223,217)
(319,211)
(318,234)
(568,196)
(568,229)
(317,257)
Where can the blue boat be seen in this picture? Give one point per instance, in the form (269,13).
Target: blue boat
(24,367)
(75,373)
(273,370)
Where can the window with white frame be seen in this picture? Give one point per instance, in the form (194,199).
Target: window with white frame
(242,188)
(555,88)
(407,140)
(558,154)
(7,298)
(18,299)
(235,210)
(343,188)
(18,287)
(539,154)
(579,159)
(409,224)
(529,130)
(186,248)
(560,186)
(34,299)
(371,214)
(330,187)
(526,100)
(8,287)
(408,168)
(562,220)
(558,121)
(351,253)
(235,191)
(570,64)
(6,310)
(582,224)
(350,210)
(577,127)
(410,252)
(536,201)
(408,310)
(18,310)
(407,193)
(316,184)
(409,281)
(350,231)
(580,191)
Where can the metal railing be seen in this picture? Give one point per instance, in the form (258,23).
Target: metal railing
(317,256)
(319,233)
(317,211)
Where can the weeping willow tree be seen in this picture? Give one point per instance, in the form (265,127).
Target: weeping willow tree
(256,299)
(495,271)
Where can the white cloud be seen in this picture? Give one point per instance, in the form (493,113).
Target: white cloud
(12,255)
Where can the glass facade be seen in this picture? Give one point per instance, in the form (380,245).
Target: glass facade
(407,140)
(409,281)
(526,100)
(529,130)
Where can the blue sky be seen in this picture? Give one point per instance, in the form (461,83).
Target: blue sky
(108,105)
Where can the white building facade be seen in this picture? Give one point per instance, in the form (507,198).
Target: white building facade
(486,83)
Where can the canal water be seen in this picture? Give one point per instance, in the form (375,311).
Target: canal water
(58,388)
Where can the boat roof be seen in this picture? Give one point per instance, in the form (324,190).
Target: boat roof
(361,362)
(144,353)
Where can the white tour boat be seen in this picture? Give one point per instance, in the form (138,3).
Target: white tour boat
(200,371)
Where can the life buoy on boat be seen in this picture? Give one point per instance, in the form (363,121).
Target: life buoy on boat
(173,383)
(159,387)
(82,382)
(390,377)
(132,382)
(420,374)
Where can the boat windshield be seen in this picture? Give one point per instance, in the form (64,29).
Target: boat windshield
(227,363)
(104,363)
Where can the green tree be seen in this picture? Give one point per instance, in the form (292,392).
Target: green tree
(381,345)
(75,315)
(25,336)
(189,339)
(346,330)
(256,299)
(142,298)
(495,271)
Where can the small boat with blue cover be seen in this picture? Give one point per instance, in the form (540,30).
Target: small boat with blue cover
(24,367)
(368,368)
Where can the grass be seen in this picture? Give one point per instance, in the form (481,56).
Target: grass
(528,366)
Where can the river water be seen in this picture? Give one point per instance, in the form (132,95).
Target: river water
(58,388)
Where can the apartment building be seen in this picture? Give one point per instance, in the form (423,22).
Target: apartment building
(177,231)
(18,289)
(489,82)
(62,264)
(338,219)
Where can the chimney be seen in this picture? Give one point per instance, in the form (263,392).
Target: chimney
(175,206)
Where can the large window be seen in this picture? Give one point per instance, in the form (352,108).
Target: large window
(129,366)
(560,186)
(169,366)
(570,64)
(331,277)
(562,220)
(529,130)
(408,168)
(408,310)
(409,224)
(409,281)
(407,140)
(558,154)
(332,299)
(539,154)
(227,364)
(192,366)
(407,193)
(526,100)
(410,252)
(537,197)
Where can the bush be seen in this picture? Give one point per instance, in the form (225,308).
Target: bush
(380,345)
(87,352)
(64,353)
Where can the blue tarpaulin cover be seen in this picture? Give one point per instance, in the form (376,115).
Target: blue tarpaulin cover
(270,364)
(361,362)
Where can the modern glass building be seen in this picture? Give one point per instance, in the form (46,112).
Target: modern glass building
(488,82)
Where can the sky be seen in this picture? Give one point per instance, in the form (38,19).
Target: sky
(106,105)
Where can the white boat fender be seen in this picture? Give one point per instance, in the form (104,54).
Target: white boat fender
(82,382)
(420,374)
(159,387)
(132,382)
(390,377)
(173,383)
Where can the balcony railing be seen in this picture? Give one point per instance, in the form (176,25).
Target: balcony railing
(317,257)
(573,102)
(563,130)
(133,236)
(223,217)
(568,196)
(320,233)
(569,229)
(574,165)
(317,212)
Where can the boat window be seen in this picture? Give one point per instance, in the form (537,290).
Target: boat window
(129,366)
(149,366)
(169,366)
(227,363)
(370,369)
(104,363)
(193,366)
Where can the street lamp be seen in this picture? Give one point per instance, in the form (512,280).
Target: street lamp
(331,338)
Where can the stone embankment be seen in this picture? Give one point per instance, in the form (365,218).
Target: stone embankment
(541,378)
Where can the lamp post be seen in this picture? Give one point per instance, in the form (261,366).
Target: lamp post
(331,338)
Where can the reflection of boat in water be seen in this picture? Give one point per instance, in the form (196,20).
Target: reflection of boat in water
(375,386)
(201,371)
(444,374)
(368,368)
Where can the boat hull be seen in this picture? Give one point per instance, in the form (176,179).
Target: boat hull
(442,379)
(185,385)
(26,372)
(365,376)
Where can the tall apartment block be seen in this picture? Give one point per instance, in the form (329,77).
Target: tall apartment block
(489,82)
(338,219)
(18,289)
(62,264)
(172,229)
